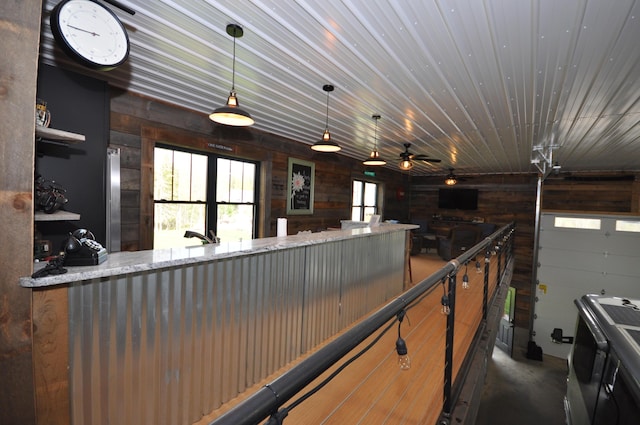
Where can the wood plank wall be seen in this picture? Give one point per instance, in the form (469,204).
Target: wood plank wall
(502,199)
(133,116)
(20,32)
(506,198)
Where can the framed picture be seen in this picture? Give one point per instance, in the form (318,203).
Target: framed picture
(301,178)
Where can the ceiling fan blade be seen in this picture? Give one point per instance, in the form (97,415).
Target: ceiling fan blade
(425,158)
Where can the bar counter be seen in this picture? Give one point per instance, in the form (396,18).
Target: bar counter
(119,263)
(167,336)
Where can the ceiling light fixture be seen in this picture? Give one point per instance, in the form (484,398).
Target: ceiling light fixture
(326,144)
(406,164)
(451,179)
(231,114)
(374,158)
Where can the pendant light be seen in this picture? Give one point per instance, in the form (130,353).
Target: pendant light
(326,144)
(231,114)
(374,158)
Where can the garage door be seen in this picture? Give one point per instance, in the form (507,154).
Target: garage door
(582,254)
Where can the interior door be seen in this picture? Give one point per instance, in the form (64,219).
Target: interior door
(504,339)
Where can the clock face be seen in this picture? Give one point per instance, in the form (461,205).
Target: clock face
(90,33)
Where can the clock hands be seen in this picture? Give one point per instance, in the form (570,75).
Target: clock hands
(83,30)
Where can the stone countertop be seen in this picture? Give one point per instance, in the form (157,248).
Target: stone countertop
(119,263)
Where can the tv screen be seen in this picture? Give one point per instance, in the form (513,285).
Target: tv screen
(458,199)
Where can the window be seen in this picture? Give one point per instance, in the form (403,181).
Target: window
(180,195)
(577,223)
(235,199)
(364,202)
(627,226)
(202,192)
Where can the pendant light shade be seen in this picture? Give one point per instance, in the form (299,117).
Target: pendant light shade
(374,157)
(230,113)
(326,144)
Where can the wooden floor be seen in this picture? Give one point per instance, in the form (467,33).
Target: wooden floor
(373,390)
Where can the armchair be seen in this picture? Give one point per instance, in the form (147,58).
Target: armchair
(460,238)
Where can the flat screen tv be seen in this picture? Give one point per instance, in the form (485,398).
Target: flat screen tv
(458,199)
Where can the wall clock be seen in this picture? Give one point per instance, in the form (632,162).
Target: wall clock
(90,33)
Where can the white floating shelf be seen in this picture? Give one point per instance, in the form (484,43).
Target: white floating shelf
(59,215)
(58,135)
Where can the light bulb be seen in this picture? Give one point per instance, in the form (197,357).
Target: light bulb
(465,281)
(404,361)
(478,267)
(445,305)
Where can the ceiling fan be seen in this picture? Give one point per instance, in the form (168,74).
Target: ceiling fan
(451,179)
(407,158)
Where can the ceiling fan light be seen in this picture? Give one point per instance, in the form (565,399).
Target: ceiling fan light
(450,181)
(406,164)
(232,114)
(374,159)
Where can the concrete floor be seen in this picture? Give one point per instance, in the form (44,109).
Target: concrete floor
(522,391)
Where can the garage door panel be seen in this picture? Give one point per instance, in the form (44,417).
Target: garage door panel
(574,262)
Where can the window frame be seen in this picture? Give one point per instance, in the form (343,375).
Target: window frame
(211,203)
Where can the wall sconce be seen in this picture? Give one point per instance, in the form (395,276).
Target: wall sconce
(231,114)
(326,144)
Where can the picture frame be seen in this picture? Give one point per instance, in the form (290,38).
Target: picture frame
(300,186)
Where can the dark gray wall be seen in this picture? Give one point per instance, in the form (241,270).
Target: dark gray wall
(78,104)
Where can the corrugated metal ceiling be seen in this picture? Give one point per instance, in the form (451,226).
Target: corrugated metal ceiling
(477,84)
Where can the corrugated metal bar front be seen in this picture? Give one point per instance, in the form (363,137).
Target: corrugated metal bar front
(169,346)
(360,275)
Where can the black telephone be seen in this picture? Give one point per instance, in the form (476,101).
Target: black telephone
(82,249)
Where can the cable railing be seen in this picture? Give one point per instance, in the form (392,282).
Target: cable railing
(270,401)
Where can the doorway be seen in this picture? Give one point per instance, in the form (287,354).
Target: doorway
(504,339)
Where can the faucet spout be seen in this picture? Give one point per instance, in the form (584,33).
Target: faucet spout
(203,238)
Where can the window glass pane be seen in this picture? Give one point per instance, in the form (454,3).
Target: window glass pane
(357,193)
(235,222)
(235,194)
(181,176)
(172,220)
(627,226)
(248,186)
(368,212)
(577,223)
(222,180)
(370,194)
(355,213)
(163,174)
(199,178)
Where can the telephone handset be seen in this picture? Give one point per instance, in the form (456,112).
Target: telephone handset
(81,249)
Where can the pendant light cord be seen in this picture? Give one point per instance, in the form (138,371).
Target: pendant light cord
(375,134)
(233,75)
(326,126)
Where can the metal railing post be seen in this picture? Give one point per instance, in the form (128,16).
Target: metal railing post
(448,355)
